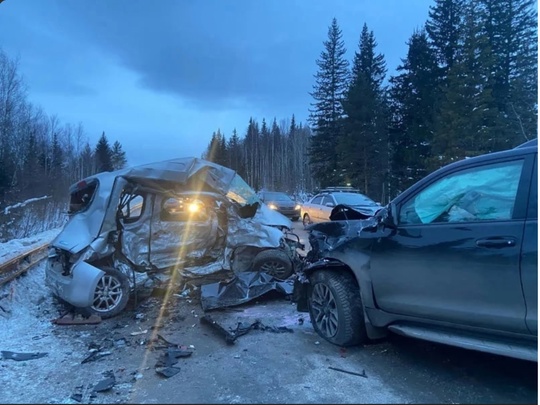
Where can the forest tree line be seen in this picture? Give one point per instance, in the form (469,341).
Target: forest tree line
(467,86)
(39,155)
(271,157)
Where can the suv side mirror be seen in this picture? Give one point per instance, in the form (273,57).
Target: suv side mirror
(330,204)
(388,214)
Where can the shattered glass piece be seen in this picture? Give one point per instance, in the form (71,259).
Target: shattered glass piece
(245,287)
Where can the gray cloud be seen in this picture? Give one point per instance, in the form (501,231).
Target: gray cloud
(214,53)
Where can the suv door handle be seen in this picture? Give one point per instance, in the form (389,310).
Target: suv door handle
(497,242)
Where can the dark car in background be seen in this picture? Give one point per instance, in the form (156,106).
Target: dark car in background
(282,203)
(453,260)
(318,208)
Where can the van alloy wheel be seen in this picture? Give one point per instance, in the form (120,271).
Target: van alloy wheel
(111,294)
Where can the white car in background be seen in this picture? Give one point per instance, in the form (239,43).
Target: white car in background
(318,208)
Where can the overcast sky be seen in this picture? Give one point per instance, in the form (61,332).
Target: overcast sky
(161,76)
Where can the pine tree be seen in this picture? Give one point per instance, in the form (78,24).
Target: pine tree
(444,30)
(87,162)
(217,151)
(234,149)
(327,115)
(102,155)
(251,154)
(362,149)
(118,156)
(413,96)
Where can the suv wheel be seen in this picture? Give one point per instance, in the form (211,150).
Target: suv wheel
(274,262)
(336,309)
(111,294)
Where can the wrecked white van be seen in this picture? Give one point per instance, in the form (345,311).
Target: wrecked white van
(185,215)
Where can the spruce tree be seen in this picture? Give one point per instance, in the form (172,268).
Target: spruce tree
(118,156)
(363,147)
(511,30)
(234,150)
(444,28)
(413,96)
(102,155)
(326,117)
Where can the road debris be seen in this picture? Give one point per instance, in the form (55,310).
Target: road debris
(7,355)
(229,336)
(232,334)
(107,383)
(141,332)
(363,374)
(77,319)
(95,355)
(165,363)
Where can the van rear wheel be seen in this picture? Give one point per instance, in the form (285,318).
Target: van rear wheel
(111,294)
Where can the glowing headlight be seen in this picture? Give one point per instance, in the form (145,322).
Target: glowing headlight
(272,207)
(298,207)
(194,207)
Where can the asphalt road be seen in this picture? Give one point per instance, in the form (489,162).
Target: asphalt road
(260,367)
(266,367)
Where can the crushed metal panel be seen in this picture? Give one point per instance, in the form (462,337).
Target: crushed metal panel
(83,227)
(242,288)
(136,236)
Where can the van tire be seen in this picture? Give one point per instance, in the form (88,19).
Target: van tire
(111,295)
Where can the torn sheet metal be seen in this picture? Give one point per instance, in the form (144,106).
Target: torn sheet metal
(242,288)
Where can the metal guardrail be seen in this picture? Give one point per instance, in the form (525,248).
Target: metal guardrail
(21,263)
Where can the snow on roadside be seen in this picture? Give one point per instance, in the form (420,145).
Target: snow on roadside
(26,310)
(15,247)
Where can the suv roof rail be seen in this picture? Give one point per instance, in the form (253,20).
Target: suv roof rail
(532,142)
(339,189)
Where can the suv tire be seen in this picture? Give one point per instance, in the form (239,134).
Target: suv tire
(336,309)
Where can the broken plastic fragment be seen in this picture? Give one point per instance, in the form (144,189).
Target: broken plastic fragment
(7,355)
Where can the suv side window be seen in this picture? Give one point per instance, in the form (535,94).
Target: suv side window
(328,199)
(482,193)
(317,200)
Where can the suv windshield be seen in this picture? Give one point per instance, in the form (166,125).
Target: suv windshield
(353,199)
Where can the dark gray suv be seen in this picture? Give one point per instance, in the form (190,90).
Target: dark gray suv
(453,259)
